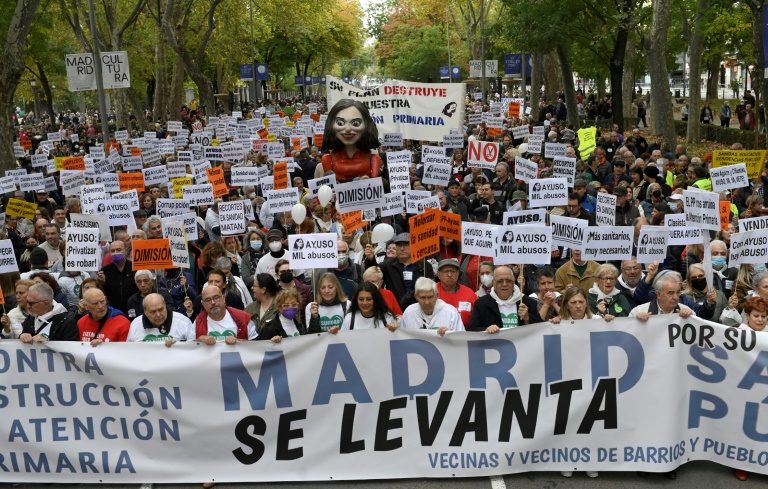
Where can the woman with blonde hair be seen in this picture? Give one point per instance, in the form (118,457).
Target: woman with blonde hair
(330,306)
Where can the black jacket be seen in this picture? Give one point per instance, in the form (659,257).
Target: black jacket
(136,304)
(119,286)
(393,278)
(63,327)
(274,328)
(486,312)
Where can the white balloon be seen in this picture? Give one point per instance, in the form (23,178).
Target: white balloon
(324,195)
(523,148)
(381,233)
(299,212)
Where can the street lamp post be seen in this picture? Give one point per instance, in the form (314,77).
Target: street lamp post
(33,84)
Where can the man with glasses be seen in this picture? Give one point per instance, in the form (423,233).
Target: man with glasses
(400,274)
(631,275)
(219,323)
(452,292)
(430,312)
(504,307)
(102,323)
(574,210)
(160,323)
(47,319)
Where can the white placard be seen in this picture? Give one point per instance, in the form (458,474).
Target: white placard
(156,175)
(478,239)
(176,169)
(90,195)
(197,195)
(535,142)
(702,209)
(356,196)
(748,247)
(729,177)
(104,166)
(267,184)
(432,202)
(200,171)
(175,126)
(171,207)
(7,257)
(121,135)
(412,199)
(40,160)
(399,165)
(528,217)
(605,209)
(652,244)
(190,224)
(554,150)
(131,196)
(307,251)
(110,181)
(83,253)
(174,231)
(132,163)
(548,192)
(753,224)
(274,150)
(31,182)
(453,141)
(392,139)
(608,243)
(97,153)
(282,200)
(437,173)
(16,174)
(483,155)
(393,204)
(71,181)
(679,233)
(525,170)
(315,184)
(524,245)
(568,231)
(564,167)
(88,221)
(232,218)
(7,185)
(521,132)
(245,175)
(119,212)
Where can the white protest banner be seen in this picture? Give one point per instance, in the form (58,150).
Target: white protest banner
(554,150)
(356,196)
(267,184)
(90,195)
(245,175)
(315,184)
(119,212)
(661,408)
(232,218)
(453,141)
(16,174)
(564,167)
(31,182)
(7,257)
(282,200)
(525,170)
(608,243)
(753,223)
(110,181)
(652,244)
(393,204)
(171,207)
(393,139)
(420,111)
(307,251)
(524,245)
(189,220)
(50,184)
(548,192)
(679,233)
(82,252)
(39,160)
(478,239)
(605,209)
(8,185)
(535,142)
(748,247)
(132,163)
(535,217)
(412,199)
(197,195)
(520,132)
(483,155)
(98,153)
(729,177)
(437,173)
(88,221)
(177,169)
(156,175)
(174,231)
(702,209)
(131,196)
(568,231)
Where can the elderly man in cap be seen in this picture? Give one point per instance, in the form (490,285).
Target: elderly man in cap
(400,274)
(619,174)
(47,319)
(626,212)
(587,202)
(430,312)
(456,201)
(160,323)
(140,217)
(276,253)
(519,201)
(452,292)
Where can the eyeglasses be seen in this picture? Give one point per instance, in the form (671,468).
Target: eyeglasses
(505,281)
(32,303)
(607,279)
(210,300)
(288,306)
(631,269)
(450,271)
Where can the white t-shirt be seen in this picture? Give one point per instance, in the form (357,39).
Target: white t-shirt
(509,317)
(443,315)
(223,328)
(362,322)
(330,316)
(182,329)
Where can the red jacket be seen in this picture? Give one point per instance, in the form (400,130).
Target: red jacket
(115,327)
(241,319)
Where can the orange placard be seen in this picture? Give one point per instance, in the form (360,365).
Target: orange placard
(450,225)
(2,298)
(296,116)
(352,220)
(216,178)
(131,181)
(280,113)
(317,140)
(296,143)
(108,147)
(425,239)
(135,151)
(315,117)
(493,131)
(725,214)
(74,163)
(151,254)
(263,133)
(514,109)
(280,171)
(27,145)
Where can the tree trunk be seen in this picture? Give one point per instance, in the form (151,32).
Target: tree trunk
(535,79)
(551,82)
(600,84)
(570,89)
(177,88)
(160,104)
(662,119)
(616,70)
(694,54)
(628,81)
(11,69)
(120,106)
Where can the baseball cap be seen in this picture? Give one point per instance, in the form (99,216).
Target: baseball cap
(402,238)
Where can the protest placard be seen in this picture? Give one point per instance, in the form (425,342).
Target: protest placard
(82,251)
(171,207)
(245,175)
(608,243)
(393,204)
(197,195)
(548,192)
(752,159)
(453,141)
(483,155)
(151,254)
(652,244)
(156,175)
(7,185)
(315,184)
(535,142)
(521,132)
(216,178)
(39,161)
(679,232)
(605,209)
(413,198)
(131,196)
(21,208)
(7,257)
(232,218)
(188,220)
(702,209)
(31,182)
(568,231)
(554,150)
(313,251)
(450,225)
(527,217)
(478,239)
(359,195)
(424,235)
(524,245)
(131,181)
(564,167)
(74,163)
(729,177)
(282,200)
(351,221)
(437,173)
(178,185)
(99,221)
(525,170)
(748,247)
(280,173)
(119,212)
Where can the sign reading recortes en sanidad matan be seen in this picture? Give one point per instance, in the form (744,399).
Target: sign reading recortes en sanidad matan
(656,390)
(422,111)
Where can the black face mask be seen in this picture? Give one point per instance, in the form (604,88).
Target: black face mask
(699,283)
(286,276)
(656,193)
(31,247)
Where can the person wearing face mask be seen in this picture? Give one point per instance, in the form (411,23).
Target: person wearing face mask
(30,244)
(675,203)
(253,250)
(268,261)
(118,278)
(350,274)
(695,288)
(485,278)
(724,277)
(287,281)
(289,321)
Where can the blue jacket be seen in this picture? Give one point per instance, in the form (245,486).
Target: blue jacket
(645,293)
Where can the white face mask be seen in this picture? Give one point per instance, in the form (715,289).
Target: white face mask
(343,257)
(275,246)
(486,279)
